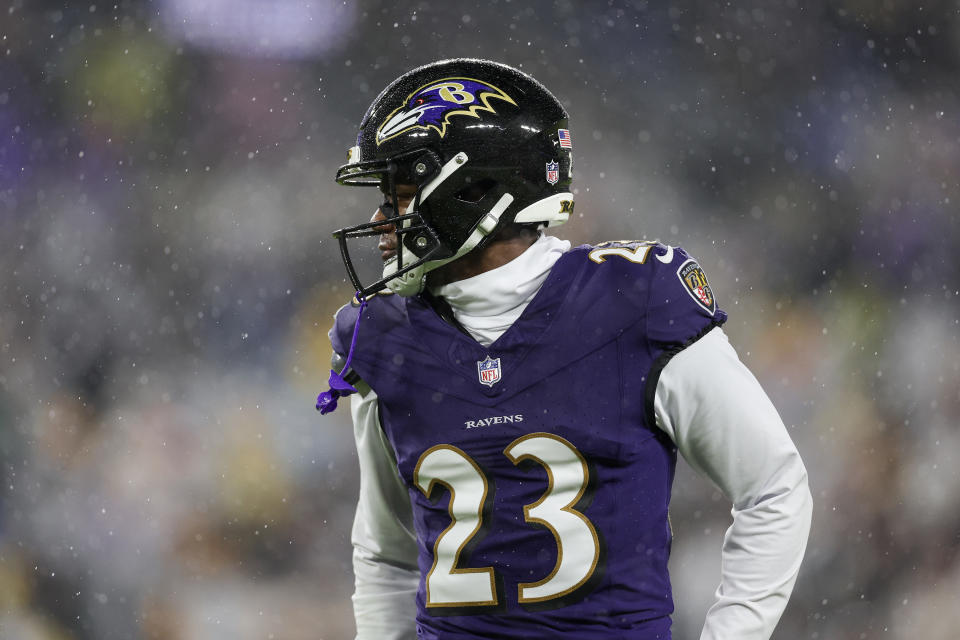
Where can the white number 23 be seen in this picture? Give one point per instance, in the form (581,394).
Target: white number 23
(578,547)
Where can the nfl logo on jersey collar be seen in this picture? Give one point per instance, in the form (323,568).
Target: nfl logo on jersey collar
(489,371)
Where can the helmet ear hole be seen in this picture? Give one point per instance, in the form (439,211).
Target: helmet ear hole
(476,190)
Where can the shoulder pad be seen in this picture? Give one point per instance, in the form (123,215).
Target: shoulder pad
(382,311)
(663,283)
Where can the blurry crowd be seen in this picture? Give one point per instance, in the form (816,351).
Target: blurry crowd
(167,279)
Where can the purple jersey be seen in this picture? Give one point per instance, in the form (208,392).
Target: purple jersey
(539,482)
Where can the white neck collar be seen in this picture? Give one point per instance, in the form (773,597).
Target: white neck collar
(487,304)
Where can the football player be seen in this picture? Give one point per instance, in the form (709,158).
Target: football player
(518,404)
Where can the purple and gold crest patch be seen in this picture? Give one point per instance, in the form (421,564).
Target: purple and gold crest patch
(695,282)
(432,105)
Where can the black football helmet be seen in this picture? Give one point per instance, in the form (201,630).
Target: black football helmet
(484,144)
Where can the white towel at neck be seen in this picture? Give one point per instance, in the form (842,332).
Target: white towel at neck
(487,304)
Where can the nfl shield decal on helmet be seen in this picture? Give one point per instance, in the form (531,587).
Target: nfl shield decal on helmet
(553,172)
(695,282)
(489,371)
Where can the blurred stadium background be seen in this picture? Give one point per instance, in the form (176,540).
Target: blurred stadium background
(167,279)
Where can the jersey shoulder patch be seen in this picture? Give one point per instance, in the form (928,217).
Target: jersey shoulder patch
(695,282)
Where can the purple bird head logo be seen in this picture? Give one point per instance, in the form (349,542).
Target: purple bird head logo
(432,105)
